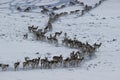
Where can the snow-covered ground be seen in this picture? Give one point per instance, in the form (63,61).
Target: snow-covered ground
(99,25)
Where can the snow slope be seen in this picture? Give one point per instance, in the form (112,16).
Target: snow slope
(99,25)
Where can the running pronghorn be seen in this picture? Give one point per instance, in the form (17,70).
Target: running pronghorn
(4,66)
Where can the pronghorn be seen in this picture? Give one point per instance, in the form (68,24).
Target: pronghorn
(58,33)
(16,65)
(4,66)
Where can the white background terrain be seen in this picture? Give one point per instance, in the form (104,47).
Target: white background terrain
(101,24)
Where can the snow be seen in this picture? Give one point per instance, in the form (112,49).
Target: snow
(70,74)
(99,25)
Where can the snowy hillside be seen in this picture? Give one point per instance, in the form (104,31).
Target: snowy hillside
(101,25)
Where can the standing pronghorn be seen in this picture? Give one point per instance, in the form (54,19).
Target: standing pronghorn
(16,65)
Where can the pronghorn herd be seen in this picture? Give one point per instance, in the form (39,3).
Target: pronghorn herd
(46,9)
(74,59)
(84,49)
